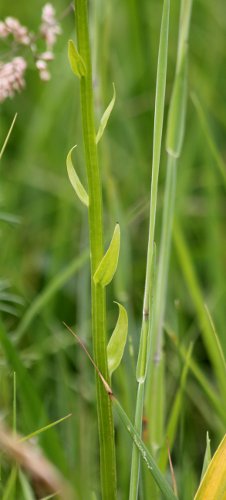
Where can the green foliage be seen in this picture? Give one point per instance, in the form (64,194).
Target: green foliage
(207,456)
(74,180)
(108,265)
(76,61)
(106,116)
(45,273)
(117,342)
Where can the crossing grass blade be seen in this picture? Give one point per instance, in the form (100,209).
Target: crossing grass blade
(209,136)
(49,292)
(209,335)
(7,137)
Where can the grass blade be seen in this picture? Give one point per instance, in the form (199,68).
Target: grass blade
(144,452)
(150,265)
(209,137)
(7,137)
(208,332)
(207,456)
(49,291)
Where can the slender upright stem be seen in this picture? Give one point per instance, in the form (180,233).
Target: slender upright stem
(174,142)
(145,329)
(104,408)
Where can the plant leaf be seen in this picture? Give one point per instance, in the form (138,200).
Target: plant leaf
(8,136)
(76,61)
(117,342)
(209,334)
(134,434)
(106,116)
(213,484)
(10,486)
(75,181)
(144,452)
(177,112)
(207,456)
(49,291)
(43,429)
(108,265)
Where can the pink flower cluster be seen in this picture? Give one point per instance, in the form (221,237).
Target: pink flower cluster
(50,28)
(12,26)
(12,72)
(12,77)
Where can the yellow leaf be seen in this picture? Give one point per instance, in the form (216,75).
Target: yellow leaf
(213,485)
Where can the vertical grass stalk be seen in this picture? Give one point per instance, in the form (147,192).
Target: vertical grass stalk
(174,140)
(104,408)
(145,329)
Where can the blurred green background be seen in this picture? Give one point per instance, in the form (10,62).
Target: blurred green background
(43,227)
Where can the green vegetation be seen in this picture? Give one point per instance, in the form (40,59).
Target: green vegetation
(123,239)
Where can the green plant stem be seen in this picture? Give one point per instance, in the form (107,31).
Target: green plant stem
(145,329)
(175,134)
(104,408)
(135,465)
(167,225)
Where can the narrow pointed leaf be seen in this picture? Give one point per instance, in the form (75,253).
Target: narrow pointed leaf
(10,486)
(213,484)
(175,413)
(7,137)
(43,429)
(117,342)
(134,434)
(75,181)
(108,265)
(207,456)
(210,140)
(106,116)
(177,112)
(144,452)
(77,64)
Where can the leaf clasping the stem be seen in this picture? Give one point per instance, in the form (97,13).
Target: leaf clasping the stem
(117,342)
(106,116)
(153,468)
(108,264)
(76,61)
(75,181)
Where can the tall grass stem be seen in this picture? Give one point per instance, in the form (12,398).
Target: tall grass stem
(104,408)
(145,328)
